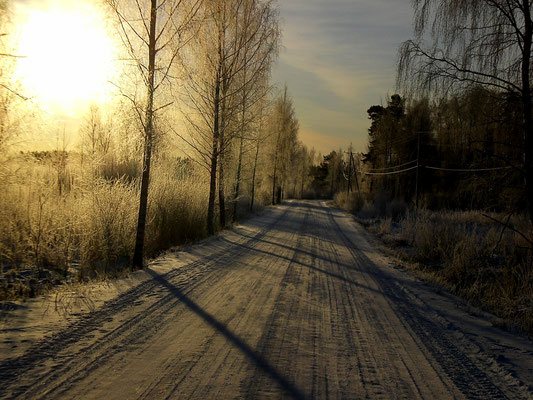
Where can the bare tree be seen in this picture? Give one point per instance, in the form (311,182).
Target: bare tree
(7,52)
(474,42)
(224,60)
(11,94)
(286,140)
(205,66)
(260,33)
(259,137)
(153,34)
(96,135)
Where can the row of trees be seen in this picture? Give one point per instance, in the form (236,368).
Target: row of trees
(196,93)
(464,139)
(211,60)
(459,152)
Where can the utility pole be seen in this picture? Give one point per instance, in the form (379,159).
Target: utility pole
(355,173)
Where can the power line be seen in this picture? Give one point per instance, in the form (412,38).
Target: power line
(466,169)
(390,173)
(395,166)
(435,168)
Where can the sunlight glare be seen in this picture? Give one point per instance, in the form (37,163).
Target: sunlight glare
(68,56)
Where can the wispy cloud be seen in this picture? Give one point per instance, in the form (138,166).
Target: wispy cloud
(339,59)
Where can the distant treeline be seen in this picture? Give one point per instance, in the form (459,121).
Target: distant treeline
(461,152)
(465,151)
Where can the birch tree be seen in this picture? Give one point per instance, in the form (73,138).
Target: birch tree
(285,142)
(226,58)
(259,138)
(260,40)
(153,33)
(207,80)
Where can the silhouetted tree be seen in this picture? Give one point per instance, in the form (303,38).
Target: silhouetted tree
(475,42)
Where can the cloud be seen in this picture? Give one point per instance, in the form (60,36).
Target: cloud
(320,142)
(339,59)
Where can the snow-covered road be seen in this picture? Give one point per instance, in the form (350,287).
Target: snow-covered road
(294,303)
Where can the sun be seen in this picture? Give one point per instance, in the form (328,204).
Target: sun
(68,55)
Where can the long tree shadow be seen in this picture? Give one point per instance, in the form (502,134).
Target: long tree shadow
(292,248)
(312,267)
(260,362)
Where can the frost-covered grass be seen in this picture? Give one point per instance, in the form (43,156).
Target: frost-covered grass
(477,258)
(467,252)
(77,220)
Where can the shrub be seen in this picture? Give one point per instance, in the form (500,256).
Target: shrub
(112,168)
(396,210)
(478,261)
(471,254)
(177,209)
(106,226)
(351,202)
(51,231)
(378,207)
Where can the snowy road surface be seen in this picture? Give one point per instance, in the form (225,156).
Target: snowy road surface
(295,303)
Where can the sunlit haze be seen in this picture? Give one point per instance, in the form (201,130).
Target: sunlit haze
(242,199)
(339,58)
(68,54)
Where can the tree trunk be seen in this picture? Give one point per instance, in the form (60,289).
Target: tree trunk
(253,177)
(274,176)
(221,199)
(526,101)
(138,255)
(274,185)
(304,168)
(349,173)
(212,189)
(221,152)
(332,180)
(239,165)
(280,146)
(214,159)
(238,181)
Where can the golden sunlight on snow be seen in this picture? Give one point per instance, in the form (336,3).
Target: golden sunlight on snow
(68,55)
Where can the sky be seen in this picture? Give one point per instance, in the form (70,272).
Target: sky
(338,59)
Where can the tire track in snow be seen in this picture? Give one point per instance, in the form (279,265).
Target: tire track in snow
(288,308)
(388,365)
(468,378)
(268,346)
(25,373)
(173,377)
